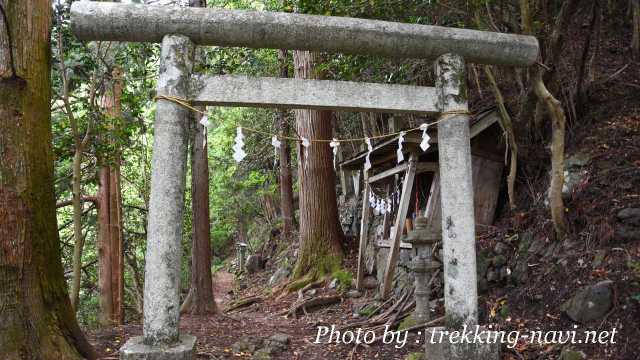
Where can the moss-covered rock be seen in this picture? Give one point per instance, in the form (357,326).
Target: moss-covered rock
(416,356)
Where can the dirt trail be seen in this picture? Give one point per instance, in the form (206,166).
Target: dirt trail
(222,286)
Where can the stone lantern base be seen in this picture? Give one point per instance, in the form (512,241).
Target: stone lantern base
(446,350)
(136,349)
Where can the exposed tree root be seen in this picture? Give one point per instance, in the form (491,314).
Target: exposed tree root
(243,303)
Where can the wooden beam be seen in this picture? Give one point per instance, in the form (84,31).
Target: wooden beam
(421,167)
(240,90)
(390,172)
(364,229)
(403,207)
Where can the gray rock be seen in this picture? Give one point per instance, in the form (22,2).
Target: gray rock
(278,276)
(262,354)
(499,260)
(370,282)
(492,275)
(277,343)
(537,246)
(577,160)
(482,264)
(629,216)
(568,354)
(254,263)
(247,344)
(574,173)
(590,302)
(500,248)
(521,271)
(353,294)
(625,233)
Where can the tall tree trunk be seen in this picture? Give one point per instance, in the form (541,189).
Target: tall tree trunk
(110,237)
(200,298)
(37,319)
(320,249)
(117,254)
(105,257)
(635,39)
(77,223)
(286,181)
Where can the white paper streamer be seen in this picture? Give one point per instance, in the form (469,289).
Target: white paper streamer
(399,152)
(238,152)
(334,145)
(388,206)
(276,145)
(305,142)
(204,121)
(383,207)
(367,159)
(424,144)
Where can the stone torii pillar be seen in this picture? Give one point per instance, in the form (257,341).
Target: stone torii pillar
(161,339)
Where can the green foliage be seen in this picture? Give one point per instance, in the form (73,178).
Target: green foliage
(344,280)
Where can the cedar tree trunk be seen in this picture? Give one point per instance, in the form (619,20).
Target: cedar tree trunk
(35,311)
(286,182)
(200,298)
(320,250)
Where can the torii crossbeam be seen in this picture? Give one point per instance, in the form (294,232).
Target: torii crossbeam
(179,28)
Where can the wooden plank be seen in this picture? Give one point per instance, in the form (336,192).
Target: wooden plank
(403,207)
(487,175)
(240,90)
(482,124)
(433,211)
(364,229)
(421,167)
(386,243)
(386,223)
(394,170)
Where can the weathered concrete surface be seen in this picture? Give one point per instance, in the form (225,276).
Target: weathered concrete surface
(166,204)
(456,192)
(238,90)
(459,349)
(223,27)
(136,349)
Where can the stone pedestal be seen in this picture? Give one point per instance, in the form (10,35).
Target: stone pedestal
(455,348)
(422,238)
(136,349)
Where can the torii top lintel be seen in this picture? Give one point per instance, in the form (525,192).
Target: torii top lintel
(258,29)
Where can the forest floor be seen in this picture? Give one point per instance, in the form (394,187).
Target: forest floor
(216,334)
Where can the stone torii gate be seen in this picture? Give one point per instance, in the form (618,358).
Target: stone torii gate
(180,28)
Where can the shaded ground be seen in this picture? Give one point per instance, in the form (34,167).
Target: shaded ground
(216,334)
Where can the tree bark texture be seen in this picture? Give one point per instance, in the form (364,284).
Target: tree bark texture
(77,222)
(635,38)
(35,311)
(320,250)
(558,121)
(286,180)
(200,298)
(110,236)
